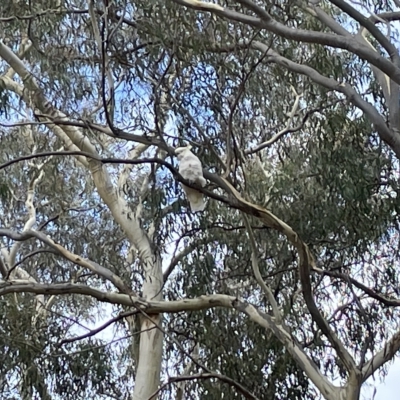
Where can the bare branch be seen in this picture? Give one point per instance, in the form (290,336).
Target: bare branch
(344,355)
(179,257)
(93,332)
(352,95)
(389,302)
(74,258)
(33,253)
(174,172)
(366,23)
(382,357)
(257,10)
(202,376)
(327,20)
(197,304)
(284,131)
(300,35)
(23,286)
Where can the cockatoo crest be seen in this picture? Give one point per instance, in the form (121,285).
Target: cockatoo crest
(191,169)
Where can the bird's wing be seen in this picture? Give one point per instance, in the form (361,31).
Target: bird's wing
(196,199)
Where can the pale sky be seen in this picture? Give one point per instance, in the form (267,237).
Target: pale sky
(389,389)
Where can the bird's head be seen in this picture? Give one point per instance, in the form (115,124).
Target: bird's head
(181,151)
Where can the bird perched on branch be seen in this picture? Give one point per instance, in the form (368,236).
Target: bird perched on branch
(191,169)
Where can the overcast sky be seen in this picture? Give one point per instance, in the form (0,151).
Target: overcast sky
(390,388)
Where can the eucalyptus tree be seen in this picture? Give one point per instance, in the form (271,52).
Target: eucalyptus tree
(285,286)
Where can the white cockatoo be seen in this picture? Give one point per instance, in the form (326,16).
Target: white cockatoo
(191,169)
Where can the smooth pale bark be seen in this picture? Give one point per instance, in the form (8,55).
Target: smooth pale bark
(149,363)
(149,307)
(150,354)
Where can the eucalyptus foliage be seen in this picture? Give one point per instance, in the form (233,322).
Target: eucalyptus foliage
(137,80)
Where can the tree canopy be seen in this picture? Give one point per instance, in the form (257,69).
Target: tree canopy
(286,286)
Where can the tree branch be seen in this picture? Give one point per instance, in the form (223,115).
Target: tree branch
(174,172)
(370,26)
(74,258)
(7,276)
(382,299)
(256,270)
(242,390)
(285,130)
(300,35)
(197,304)
(304,270)
(386,134)
(306,262)
(292,346)
(93,332)
(179,257)
(327,20)
(382,357)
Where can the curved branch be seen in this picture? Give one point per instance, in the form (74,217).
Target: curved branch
(386,134)
(285,130)
(370,26)
(93,332)
(177,258)
(389,302)
(306,262)
(327,20)
(33,253)
(175,173)
(91,265)
(392,346)
(197,304)
(300,35)
(378,360)
(222,378)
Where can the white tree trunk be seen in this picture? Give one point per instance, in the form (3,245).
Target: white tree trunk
(150,352)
